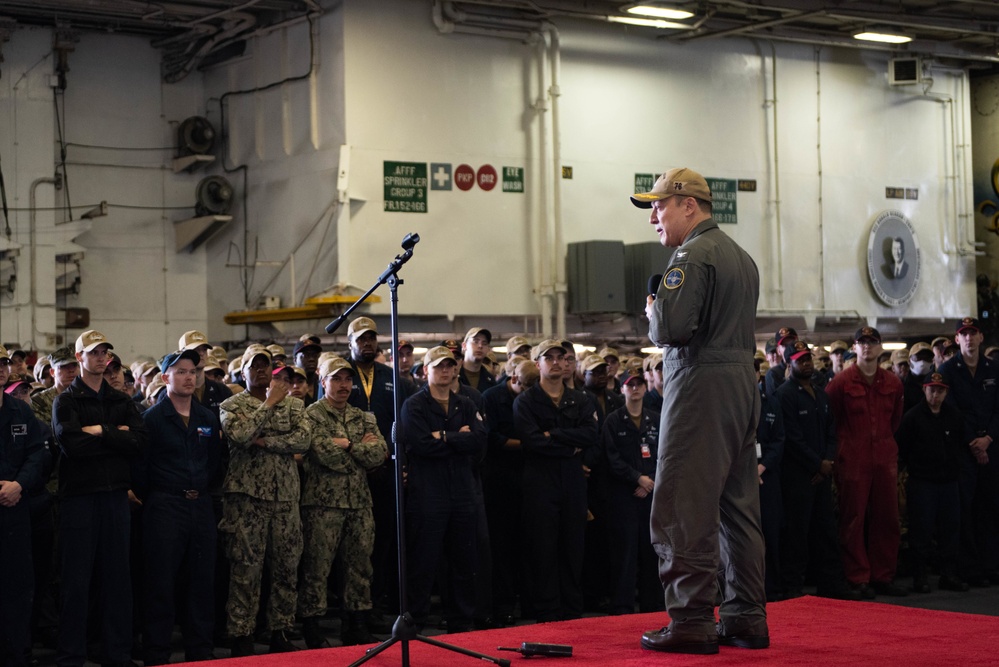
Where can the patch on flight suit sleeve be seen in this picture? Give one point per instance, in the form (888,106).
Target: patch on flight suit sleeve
(673,278)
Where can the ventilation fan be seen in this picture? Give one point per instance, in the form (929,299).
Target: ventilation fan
(195,136)
(214,196)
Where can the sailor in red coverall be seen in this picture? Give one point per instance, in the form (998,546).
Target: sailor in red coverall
(867,405)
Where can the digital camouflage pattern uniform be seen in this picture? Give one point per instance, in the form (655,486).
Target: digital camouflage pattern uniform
(336,505)
(260,507)
(41,404)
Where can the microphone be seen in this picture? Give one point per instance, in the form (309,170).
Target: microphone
(654,282)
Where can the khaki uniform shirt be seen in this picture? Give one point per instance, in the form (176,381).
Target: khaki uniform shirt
(268,472)
(333,476)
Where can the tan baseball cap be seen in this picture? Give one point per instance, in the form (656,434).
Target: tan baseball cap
(155,386)
(838,346)
(609,352)
(651,361)
(192,340)
(3,353)
(940,340)
(679,181)
(360,325)
(593,362)
(253,350)
(311,338)
(436,355)
(39,370)
(326,356)
(333,366)
(88,340)
(476,331)
(276,351)
(510,366)
(920,347)
(515,343)
(544,346)
(900,356)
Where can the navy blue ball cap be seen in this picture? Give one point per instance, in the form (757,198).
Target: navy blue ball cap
(172,358)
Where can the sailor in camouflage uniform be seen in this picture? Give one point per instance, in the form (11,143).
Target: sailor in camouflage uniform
(65,368)
(336,505)
(265,428)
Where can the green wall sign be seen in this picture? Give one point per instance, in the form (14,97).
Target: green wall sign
(406,187)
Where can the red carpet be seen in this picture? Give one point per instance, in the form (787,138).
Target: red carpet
(804,631)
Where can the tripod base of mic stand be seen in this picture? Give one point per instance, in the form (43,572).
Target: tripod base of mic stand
(404,630)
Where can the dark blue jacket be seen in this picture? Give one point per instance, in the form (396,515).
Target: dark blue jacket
(975,397)
(179,457)
(775,378)
(441,470)
(770,433)
(486,379)
(809,432)
(24,458)
(622,443)
(96,463)
(382,403)
(930,446)
(571,425)
(500,459)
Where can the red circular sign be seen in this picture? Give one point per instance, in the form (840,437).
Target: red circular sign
(486,177)
(464,177)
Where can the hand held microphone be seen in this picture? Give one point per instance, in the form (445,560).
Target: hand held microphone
(528,649)
(654,282)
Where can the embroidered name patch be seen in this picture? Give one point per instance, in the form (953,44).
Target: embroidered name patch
(673,278)
(205,431)
(19,429)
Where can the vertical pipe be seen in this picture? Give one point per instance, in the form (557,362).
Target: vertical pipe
(558,250)
(818,156)
(544,229)
(777,222)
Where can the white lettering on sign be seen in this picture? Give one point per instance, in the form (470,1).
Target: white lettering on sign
(488,178)
(464,177)
(416,182)
(441,177)
(405,170)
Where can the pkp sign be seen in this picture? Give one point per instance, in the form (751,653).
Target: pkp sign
(464,177)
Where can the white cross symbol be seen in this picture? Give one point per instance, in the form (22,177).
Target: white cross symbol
(442,177)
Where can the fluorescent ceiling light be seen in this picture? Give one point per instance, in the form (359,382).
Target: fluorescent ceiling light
(648,23)
(889,347)
(883,37)
(658,11)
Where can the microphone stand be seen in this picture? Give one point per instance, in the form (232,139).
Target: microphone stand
(404,629)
